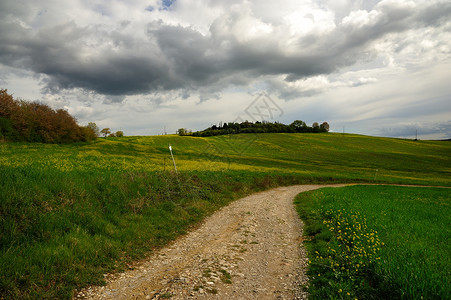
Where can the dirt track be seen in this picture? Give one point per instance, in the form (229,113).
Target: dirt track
(250,249)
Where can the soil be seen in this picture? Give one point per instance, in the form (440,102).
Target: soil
(250,249)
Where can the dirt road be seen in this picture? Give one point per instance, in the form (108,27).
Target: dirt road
(250,249)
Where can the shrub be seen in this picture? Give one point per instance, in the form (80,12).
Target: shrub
(36,122)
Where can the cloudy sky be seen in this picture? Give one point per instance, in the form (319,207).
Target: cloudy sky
(370,67)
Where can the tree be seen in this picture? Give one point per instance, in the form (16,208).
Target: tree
(184,131)
(119,133)
(6,129)
(315,127)
(94,128)
(67,127)
(181,131)
(87,133)
(37,122)
(324,127)
(7,104)
(105,131)
(298,126)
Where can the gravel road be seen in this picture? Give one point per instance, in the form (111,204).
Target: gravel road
(250,249)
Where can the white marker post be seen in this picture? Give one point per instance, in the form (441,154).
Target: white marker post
(173,160)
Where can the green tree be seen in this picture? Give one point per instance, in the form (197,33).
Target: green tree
(119,133)
(181,131)
(315,127)
(184,131)
(105,131)
(87,133)
(6,129)
(94,128)
(324,127)
(298,126)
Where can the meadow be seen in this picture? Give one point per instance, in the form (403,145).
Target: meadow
(70,213)
(332,156)
(378,242)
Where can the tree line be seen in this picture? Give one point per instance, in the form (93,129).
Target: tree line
(107,133)
(23,121)
(258,127)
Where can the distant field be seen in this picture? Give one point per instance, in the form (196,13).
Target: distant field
(380,242)
(70,213)
(335,156)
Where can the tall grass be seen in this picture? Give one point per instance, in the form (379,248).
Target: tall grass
(378,242)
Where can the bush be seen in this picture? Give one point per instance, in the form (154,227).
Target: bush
(36,122)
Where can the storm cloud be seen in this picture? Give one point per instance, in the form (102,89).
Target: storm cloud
(239,47)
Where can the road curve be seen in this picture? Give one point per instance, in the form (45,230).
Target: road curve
(250,249)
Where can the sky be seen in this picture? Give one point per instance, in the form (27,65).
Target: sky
(147,67)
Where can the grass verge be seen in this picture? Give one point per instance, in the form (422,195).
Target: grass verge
(378,242)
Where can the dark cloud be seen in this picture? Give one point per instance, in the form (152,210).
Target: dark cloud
(173,57)
(61,53)
(110,75)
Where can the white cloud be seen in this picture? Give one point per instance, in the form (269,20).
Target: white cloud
(360,18)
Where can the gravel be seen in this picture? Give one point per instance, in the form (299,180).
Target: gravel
(250,249)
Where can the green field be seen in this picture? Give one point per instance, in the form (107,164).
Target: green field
(379,242)
(70,213)
(335,156)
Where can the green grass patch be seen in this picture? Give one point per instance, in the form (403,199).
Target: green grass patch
(378,242)
(226,277)
(311,156)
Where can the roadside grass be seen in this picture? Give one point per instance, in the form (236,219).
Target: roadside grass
(378,242)
(65,234)
(70,213)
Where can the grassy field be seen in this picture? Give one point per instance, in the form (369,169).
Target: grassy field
(378,242)
(70,213)
(335,156)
